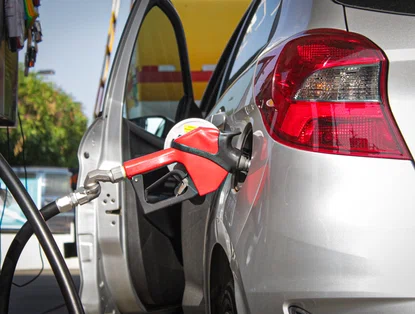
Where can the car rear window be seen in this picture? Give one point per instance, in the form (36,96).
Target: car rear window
(394,6)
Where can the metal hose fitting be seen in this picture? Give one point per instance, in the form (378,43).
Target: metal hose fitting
(91,188)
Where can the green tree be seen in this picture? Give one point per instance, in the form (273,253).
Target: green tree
(53,125)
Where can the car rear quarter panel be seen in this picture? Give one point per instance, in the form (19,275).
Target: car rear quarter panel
(300,15)
(327,226)
(395,35)
(296,16)
(323,231)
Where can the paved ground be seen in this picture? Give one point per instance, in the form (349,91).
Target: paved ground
(38,297)
(42,296)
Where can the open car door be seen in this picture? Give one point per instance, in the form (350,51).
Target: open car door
(132,263)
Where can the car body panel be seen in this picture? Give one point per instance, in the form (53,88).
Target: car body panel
(234,211)
(101,235)
(394,34)
(300,15)
(321,230)
(97,244)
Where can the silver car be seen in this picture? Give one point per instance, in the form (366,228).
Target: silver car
(324,220)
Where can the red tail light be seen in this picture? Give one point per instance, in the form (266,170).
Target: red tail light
(325,91)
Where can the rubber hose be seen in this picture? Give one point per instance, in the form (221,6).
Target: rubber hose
(13,254)
(49,246)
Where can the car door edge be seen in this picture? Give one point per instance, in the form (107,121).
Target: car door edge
(108,226)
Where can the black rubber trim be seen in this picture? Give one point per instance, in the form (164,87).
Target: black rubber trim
(227,80)
(210,95)
(230,60)
(145,136)
(345,18)
(187,101)
(368,7)
(275,24)
(142,193)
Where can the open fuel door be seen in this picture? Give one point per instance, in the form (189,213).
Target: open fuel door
(131,262)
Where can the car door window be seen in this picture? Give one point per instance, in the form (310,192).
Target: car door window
(154,83)
(252,39)
(256,36)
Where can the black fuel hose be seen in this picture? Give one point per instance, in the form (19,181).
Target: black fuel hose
(13,254)
(49,246)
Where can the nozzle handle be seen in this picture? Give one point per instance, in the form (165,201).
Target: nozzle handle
(142,193)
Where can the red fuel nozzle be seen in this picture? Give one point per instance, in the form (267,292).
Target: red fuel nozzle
(206,154)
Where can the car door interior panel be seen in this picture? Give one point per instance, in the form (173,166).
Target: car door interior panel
(153,242)
(154,100)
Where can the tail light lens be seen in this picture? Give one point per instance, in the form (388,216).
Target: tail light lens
(325,91)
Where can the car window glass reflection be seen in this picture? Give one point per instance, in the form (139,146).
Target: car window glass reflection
(154,83)
(256,35)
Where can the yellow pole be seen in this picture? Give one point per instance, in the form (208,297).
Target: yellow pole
(107,57)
